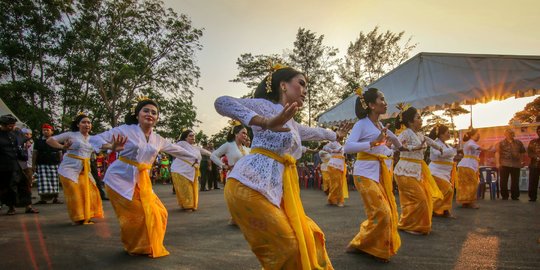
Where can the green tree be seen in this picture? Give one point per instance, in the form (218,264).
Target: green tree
(201,138)
(30,51)
(529,114)
(371,56)
(121,49)
(318,62)
(253,68)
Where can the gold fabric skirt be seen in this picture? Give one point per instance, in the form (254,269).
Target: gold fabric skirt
(74,197)
(187,192)
(416,205)
(467,185)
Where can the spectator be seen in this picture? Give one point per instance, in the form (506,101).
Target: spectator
(46,160)
(509,160)
(12,181)
(27,165)
(534,168)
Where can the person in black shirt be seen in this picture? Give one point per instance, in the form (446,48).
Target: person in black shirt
(13,184)
(46,161)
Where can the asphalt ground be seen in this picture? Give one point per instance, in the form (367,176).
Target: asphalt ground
(499,235)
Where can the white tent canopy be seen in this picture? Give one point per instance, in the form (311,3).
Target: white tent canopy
(4,109)
(437,80)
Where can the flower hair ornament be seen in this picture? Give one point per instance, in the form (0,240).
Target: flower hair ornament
(437,126)
(233,123)
(401,107)
(360,93)
(80,114)
(273,68)
(136,101)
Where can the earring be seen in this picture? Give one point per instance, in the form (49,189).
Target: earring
(284,89)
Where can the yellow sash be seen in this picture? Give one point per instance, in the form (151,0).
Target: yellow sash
(145,191)
(453,174)
(84,181)
(429,181)
(473,157)
(194,183)
(386,181)
(345,186)
(294,209)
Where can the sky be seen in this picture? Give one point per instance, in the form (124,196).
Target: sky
(233,27)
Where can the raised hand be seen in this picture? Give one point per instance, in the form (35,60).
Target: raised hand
(277,122)
(343,130)
(67,144)
(118,142)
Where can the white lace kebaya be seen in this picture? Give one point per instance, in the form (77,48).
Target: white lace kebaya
(258,171)
(335,149)
(122,177)
(187,166)
(412,140)
(232,151)
(442,171)
(362,133)
(70,168)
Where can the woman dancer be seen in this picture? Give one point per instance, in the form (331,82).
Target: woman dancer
(185,172)
(262,192)
(142,216)
(467,182)
(234,148)
(325,158)
(80,191)
(378,235)
(443,169)
(417,188)
(337,180)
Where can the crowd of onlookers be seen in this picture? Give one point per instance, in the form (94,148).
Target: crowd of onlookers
(26,159)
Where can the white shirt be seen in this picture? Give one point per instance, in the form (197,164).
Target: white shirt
(325,157)
(470,148)
(122,177)
(335,149)
(70,168)
(258,171)
(441,170)
(231,150)
(362,133)
(410,140)
(182,167)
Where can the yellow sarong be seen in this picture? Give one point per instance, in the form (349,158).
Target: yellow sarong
(378,234)
(76,200)
(427,178)
(335,186)
(84,185)
(310,242)
(445,204)
(325,180)
(187,192)
(467,185)
(141,234)
(416,204)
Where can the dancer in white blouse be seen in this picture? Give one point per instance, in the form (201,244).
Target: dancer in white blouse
(337,180)
(234,148)
(185,172)
(443,169)
(142,216)
(416,185)
(80,191)
(262,191)
(467,181)
(378,235)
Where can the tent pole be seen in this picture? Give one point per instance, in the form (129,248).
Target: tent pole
(471,114)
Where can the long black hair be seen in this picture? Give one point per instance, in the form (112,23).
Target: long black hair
(73,126)
(131,116)
(184,134)
(235,130)
(369,96)
(278,76)
(468,135)
(406,117)
(437,130)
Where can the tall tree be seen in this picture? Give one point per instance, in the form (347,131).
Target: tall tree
(30,51)
(371,56)
(529,114)
(318,62)
(253,68)
(124,48)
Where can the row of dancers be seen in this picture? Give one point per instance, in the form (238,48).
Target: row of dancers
(262,190)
